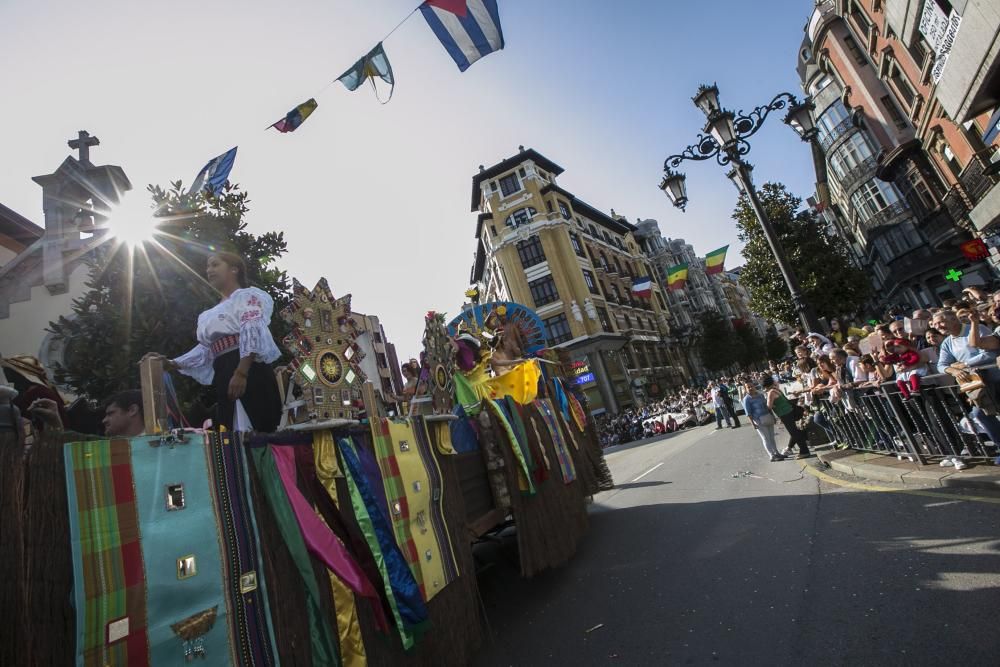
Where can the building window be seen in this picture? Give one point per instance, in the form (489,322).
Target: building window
(543,291)
(659,298)
(860,19)
(493,186)
(558,329)
(917,52)
(618,264)
(604,262)
(520,217)
(543,175)
(920,190)
(607,238)
(520,172)
(872,197)
(593,232)
(831,123)
(860,57)
(849,155)
(530,252)
(951,160)
(574,238)
(628,321)
(564,210)
(901,84)
(548,206)
(509,185)
(602,316)
(614,291)
(819,84)
(894,113)
(588,277)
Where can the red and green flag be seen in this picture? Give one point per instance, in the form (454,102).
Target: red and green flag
(677,277)
(715,261)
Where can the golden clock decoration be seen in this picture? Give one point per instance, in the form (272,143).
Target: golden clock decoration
(325,354)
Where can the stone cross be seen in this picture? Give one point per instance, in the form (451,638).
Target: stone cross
(83,142)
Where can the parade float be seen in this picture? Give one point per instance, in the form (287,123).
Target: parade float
(344,538)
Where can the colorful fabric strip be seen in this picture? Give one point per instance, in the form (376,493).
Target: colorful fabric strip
(321,640)
(401,588)
(181,552)
(395,492)
(435,513)
(249,614)
(352,644)
(319,539)
(108,569)
(524,481)
(566,466)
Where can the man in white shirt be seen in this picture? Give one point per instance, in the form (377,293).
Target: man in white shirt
(720,406)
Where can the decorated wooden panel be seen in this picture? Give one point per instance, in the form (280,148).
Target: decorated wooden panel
(323,343)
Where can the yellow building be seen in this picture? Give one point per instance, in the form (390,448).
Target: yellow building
(540,245)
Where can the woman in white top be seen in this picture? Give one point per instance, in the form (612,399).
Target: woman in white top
(235,347)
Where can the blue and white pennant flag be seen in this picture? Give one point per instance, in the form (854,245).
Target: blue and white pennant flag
(468,29)
(214,174)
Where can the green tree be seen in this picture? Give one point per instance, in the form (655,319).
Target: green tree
(775,346)
(717,345)
(749,346)
(830,284)
(148,299)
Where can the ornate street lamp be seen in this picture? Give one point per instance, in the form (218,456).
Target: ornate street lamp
(725,139)
(673,184)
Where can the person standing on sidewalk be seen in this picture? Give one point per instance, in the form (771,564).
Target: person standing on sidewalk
(785,411)
(720,406)
(755,405)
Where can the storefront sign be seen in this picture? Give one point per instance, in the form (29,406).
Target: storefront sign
(584,378)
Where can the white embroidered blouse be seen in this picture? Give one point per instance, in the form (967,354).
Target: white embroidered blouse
(246,313)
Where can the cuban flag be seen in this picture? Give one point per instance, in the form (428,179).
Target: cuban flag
(214,174)
(642,287)
(468,29)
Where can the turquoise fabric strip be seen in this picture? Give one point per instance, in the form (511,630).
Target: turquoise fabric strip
(170,535)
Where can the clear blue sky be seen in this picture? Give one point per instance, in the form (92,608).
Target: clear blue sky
(376,198)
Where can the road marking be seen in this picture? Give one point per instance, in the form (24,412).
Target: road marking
(819,474)
(648,471)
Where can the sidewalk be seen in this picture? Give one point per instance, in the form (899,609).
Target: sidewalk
(885,468)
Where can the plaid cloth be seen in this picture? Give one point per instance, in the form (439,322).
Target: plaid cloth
(108,568)
(395,491)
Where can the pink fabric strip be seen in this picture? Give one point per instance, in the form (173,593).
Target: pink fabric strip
(319,539)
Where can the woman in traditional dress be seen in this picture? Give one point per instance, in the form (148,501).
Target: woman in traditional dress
(235,348)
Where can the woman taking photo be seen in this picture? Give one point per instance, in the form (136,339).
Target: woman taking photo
(783,409)
(235,347)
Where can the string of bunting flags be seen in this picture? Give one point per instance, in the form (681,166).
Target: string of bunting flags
(467,29)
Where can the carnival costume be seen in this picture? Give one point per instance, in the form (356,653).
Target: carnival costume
(235,328)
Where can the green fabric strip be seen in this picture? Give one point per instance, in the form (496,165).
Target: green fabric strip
(524,481)
(321,636)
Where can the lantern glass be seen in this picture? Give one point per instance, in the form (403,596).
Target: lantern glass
(799,118)
(720,126)
(707,99)
(674,184)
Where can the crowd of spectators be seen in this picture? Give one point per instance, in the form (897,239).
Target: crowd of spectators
(841,364)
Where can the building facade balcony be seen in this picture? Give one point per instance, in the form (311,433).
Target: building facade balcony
(861,172)
(891,214)
(839,131)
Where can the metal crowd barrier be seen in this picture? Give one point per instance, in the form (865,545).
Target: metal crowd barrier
(927,425)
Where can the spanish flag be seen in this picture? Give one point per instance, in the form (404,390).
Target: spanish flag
(715,261)
(677,277)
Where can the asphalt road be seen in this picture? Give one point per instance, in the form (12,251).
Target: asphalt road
(687,564)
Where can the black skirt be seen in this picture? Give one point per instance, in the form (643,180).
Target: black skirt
(261,400)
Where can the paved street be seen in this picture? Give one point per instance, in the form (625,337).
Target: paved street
(687,564)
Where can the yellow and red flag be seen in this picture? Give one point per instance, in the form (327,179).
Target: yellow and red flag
(715,261)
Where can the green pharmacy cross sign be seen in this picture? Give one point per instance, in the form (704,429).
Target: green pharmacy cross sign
(953,275)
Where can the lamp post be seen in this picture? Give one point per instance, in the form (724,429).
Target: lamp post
(724,138)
